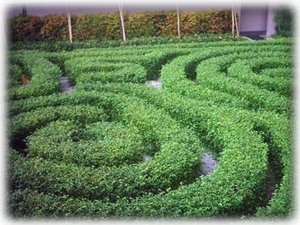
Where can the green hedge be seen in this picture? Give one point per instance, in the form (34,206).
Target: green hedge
(53,46)
(278,79)
(257,97)
(187,112)
(223,128)
(74,166)
(43,76)
(178,160)
(174,77)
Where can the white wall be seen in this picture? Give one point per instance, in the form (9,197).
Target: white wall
(253,19)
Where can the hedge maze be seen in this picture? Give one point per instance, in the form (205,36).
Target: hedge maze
(117,148)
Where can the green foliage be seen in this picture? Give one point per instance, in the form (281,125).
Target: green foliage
(54,46)
(176,162)
(117,148)
(106,26)
(284,19)
(43,77)
(54,28)
(15,73)
(25,28)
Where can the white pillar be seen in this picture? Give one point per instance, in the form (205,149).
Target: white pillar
(270,23)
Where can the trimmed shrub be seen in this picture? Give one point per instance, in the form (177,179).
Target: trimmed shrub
(44,77)
(117,148)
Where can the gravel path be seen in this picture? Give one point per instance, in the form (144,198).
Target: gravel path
(209,163)
(65,85)
(146,157)
(154,83)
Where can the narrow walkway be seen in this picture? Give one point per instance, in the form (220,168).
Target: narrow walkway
(154,83)
(65,85)
(209,163)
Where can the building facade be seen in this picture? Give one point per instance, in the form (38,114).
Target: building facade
(256,22)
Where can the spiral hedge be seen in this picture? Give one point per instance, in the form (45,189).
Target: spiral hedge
(117,148)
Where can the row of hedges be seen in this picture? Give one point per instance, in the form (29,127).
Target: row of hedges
(67,46)
(106,26)
(167,205)
(176,162)
(169,124)
(174,77)
(220,125)
(257,97)
(275,131)
(228,191)
(277,79)
(97,70)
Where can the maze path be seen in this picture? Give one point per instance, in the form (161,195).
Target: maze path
(92,162)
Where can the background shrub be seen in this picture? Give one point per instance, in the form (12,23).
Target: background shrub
(107,26)
(55,28)
(284,22)
(25,28)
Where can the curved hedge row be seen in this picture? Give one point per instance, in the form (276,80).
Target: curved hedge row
(177,161)
(265,123)
(212,84)
(43,76)
(281,80)
(117,148)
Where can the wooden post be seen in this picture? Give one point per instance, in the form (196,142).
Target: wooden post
(69,25)
(122,23)
(236,25)
(24,10)
(233,18)
(178,22)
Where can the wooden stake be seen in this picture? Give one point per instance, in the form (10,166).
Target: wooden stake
(232,18)
(236,25)
(69,25)
(70,28)
(24,10)
(122,23)
(178,22)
